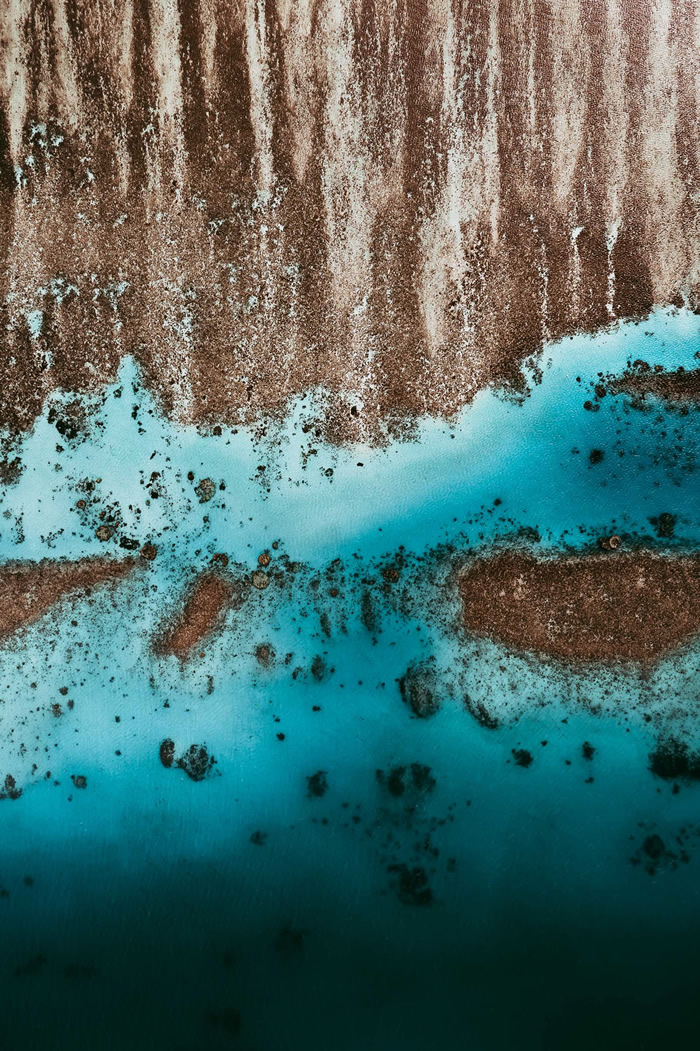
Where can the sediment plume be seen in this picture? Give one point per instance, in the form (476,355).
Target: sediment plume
(636,606)
(205,606)
(29,589)
(395,202)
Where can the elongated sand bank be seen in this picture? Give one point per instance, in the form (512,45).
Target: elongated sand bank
(614,607)
(203,611)
(29,589)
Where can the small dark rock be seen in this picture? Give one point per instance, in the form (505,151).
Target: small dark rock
(317,784)
(196,762)
(167,752)
(419,690)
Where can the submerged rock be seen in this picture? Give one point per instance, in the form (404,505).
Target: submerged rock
(673,760)
(418,689)
(10,791)
(317,784)
(167,752)
(205,490)
(196,761)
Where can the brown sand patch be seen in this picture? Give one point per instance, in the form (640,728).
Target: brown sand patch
(28,590)
(397,202)
(635,606)
(203,611)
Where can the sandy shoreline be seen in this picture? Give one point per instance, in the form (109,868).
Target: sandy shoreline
(396,203)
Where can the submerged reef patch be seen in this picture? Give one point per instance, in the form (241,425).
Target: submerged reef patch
(636,606)
(674,760)
(195,761)
(204,608)
(642,382)
(29,589)
(419,689)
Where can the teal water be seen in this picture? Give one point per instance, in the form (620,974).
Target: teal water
(138,912)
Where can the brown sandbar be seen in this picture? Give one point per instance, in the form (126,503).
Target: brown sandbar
(635,606)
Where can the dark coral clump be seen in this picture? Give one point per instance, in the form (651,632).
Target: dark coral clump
(167,752)
(417,779)
(412,886)
(418,690)
(317,784)
(196,761)
(673,760)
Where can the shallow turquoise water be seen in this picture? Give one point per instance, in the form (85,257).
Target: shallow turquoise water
(150,914)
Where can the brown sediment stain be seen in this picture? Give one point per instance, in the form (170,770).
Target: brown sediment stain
(30,589)
(675,386)
(205,606)
(397,202)
(636,606)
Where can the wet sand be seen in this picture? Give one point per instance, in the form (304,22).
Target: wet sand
(29,589)
(395,202)
(635,606)
(203,611)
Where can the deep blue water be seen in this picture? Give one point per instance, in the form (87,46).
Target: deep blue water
(138,912)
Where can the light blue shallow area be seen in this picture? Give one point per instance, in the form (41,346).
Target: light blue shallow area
(542,933)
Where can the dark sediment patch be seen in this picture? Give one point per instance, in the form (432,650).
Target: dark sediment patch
(636,606)
(205,606)
(657,854)
(30,589)
(479,711)
(411,884)
(31,967)
(664,524)
(399,781)
(229,1021)
(290,942)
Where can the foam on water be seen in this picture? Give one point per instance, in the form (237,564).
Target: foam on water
(152,880)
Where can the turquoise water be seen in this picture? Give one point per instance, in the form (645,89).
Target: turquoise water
(138,911)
